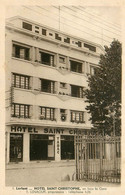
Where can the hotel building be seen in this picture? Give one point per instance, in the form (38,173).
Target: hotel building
(46,73)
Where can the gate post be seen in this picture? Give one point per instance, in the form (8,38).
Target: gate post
(86,159)
(101,159)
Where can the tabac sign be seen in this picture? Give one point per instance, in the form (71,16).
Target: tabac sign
(46,130)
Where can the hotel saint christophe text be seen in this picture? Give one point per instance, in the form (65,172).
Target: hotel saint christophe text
(46,74)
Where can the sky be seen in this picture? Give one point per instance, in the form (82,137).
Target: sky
(97,24)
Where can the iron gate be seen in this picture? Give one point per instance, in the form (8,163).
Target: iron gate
(98,158)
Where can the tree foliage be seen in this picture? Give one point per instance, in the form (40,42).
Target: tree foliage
(104,91)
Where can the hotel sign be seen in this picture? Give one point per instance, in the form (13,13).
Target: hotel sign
(20,129)
(61,131)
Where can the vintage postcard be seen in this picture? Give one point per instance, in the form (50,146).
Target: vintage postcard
(61,84)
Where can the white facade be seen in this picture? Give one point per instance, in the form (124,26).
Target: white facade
(46,72)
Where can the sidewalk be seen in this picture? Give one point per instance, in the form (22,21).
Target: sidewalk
(38,164)
(46,174)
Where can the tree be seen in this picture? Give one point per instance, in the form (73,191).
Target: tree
(104,91)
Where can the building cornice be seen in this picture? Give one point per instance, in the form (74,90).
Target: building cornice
(12,28)
(36,124)
(9,20)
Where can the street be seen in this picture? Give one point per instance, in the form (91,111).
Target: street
(46,174)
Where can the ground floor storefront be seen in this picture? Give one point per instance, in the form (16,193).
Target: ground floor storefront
(27,144)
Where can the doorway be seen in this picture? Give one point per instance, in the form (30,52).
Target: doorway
(16,147)
(67,147)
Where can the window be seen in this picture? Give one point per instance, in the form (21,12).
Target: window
(75,66)
(79,44)
(47,113)
(57,37)
(67,40)
(63,85)
(77,116)
(63,114)
(20,81)
(92,70)
(90,47)
(36,27)
(62,59)
(47,59)
(47,86)
(76,91)
(27,26)
(20,110)
(43,32)
(50,34)
(21,52)
(36,31)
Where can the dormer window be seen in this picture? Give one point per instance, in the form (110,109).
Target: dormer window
(27,26)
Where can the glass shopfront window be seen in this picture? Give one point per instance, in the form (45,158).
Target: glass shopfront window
(42,147)
(16,147)
(67,147)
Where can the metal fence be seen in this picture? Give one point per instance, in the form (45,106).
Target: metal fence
(98,158)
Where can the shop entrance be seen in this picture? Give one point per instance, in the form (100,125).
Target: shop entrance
(41,147)
(16,147)
(67,147)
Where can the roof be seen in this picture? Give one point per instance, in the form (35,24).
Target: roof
(57,31)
